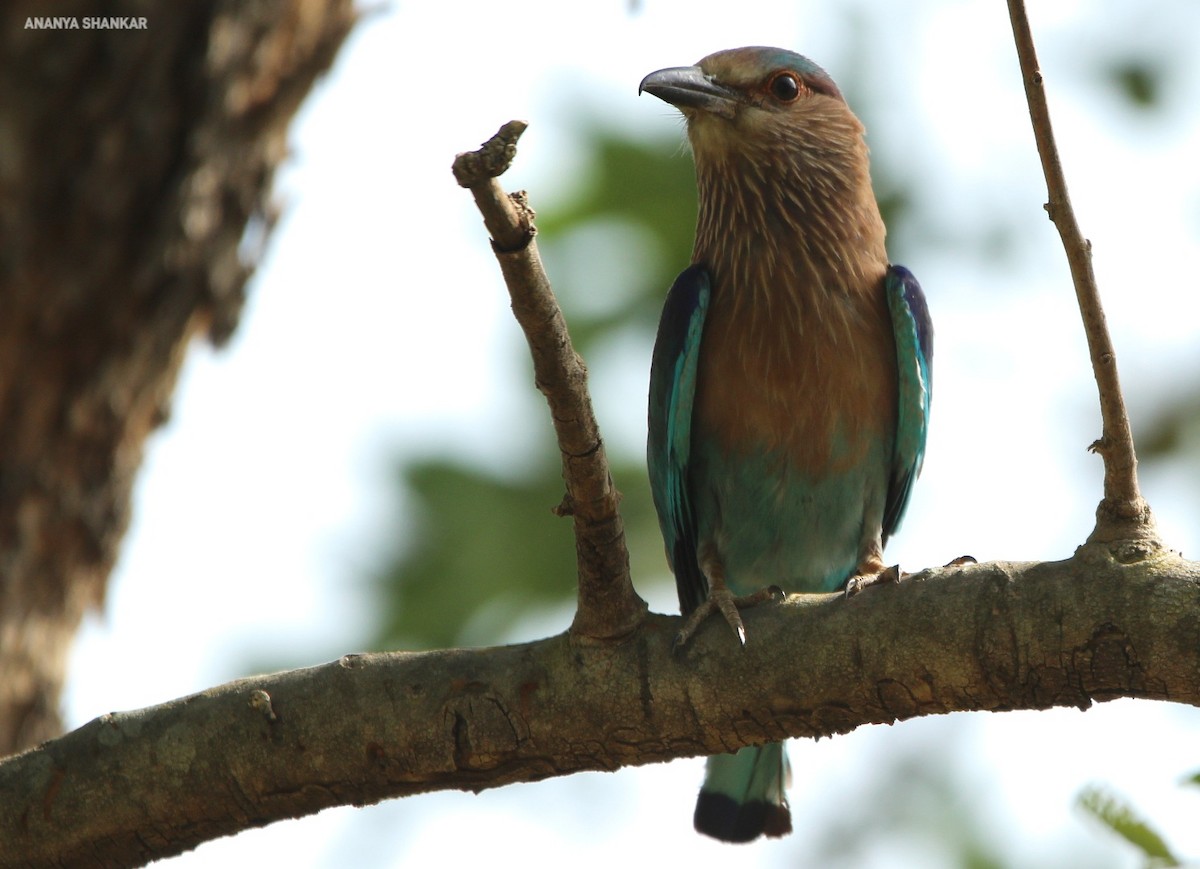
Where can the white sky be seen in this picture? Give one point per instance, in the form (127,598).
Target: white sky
(262,503)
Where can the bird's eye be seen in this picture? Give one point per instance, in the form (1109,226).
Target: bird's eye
(785,87)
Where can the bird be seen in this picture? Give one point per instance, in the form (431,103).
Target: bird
(790,381)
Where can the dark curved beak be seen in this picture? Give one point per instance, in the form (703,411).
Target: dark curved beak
(687,87)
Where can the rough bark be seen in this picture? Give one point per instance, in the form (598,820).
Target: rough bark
(1123,514)
(998,636)
(131,163)
(608,607)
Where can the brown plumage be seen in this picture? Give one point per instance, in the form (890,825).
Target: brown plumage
(798,329)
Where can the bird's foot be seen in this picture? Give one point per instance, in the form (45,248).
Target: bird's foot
(874,574)
(721,599)
(866,578)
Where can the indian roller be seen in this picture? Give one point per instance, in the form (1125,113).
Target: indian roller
(790,382)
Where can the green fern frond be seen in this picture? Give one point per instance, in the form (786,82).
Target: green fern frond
(1119,817)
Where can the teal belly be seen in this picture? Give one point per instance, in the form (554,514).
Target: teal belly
(774,525)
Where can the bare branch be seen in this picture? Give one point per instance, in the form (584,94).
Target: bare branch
(369,727)
(1122,514)
(608,605)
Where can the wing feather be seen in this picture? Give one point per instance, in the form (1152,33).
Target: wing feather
(913,330)
(673,374)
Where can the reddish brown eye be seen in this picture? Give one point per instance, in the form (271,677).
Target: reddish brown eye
(785,87)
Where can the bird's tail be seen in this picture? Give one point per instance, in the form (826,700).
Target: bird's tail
(743,796)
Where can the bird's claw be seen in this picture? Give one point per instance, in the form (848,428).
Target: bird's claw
(722,600)
(860,581)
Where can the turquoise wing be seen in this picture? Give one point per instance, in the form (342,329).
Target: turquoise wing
(914,366)
(673,372)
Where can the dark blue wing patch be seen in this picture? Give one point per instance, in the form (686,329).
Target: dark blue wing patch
(673,374)
(913,330)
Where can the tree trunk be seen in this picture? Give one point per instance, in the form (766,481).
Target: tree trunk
(133,161)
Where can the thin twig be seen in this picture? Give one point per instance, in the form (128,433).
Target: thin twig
(1122,514)
(608,605)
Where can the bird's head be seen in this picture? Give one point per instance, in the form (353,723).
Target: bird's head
(778,155)
(754,98)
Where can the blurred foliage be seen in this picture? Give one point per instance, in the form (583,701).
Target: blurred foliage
(484,550)
(928,770)
(471,559)
(1120,817)
(1139,81)
(1174,428)
(647,189)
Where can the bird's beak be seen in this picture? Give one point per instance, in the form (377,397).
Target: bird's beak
(687,87)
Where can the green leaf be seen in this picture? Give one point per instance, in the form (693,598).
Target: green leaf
(614,250)
(1119,817)
(481,550)
(478,547)
(1140,82)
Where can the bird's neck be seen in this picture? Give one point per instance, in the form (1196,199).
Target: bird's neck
(801,213)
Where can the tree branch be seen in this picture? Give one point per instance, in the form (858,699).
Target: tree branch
(369,727)
(608,607)
(1123,514)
